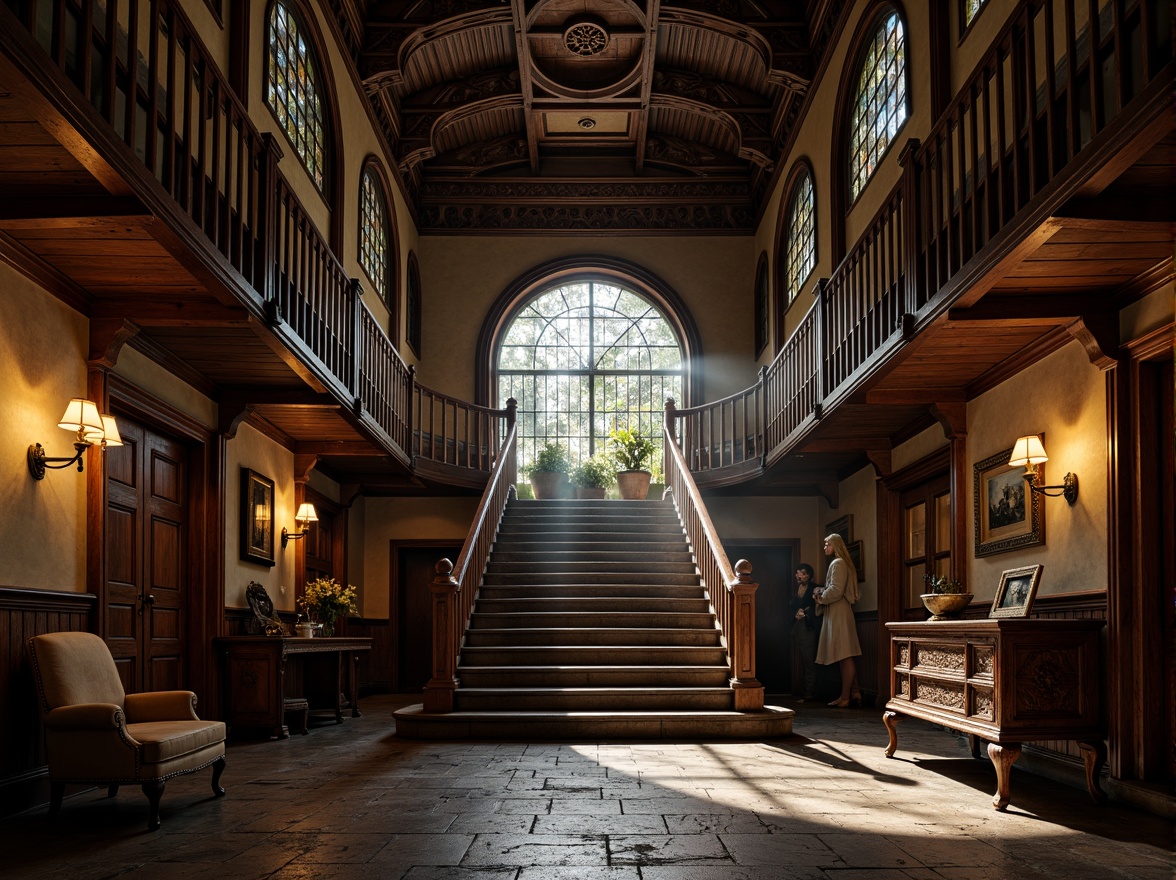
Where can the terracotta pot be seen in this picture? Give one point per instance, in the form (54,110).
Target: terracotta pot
(944,606)
(634,485)
(548,485)
(590,492)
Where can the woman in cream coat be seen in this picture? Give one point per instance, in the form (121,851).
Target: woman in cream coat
(839,641)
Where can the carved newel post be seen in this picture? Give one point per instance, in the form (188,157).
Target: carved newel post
(439,692)
(749,693)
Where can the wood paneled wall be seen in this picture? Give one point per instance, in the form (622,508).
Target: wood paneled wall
(24,614)
(375,667)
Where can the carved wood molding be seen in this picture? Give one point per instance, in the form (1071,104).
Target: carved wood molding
(32,599)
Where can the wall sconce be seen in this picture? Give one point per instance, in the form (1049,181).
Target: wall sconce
(1030,452)
(92,428)
(305,516)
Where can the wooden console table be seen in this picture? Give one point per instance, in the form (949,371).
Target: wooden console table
(260,674)
(1007,681)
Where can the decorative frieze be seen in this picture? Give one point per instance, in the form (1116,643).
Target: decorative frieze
(948,657)
(939,694)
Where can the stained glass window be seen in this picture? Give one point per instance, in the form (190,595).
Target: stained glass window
(880,102)
(293,92)
(972,9)
(800,254)
(373,232)
(584,358)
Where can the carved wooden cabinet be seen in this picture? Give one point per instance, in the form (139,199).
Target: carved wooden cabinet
(265,676)
(1007,681)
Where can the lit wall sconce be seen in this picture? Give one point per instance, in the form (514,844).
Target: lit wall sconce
(1030,452)
(91,427)
(303,518)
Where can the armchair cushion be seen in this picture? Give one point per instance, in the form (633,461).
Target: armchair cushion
(161,706)
(73,667)
(165,740)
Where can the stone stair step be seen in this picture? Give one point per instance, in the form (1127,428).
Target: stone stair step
(595,637)
(539,578)
(577,544)
(562,677)
(412,722)
(569,566)
(614,558)
(604,529)
(604,698)
(649,656)
(649,619)
(571,591)
(610,604)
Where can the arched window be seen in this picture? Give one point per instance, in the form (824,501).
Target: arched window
(375,233)
(879,105)
(294,90)
(800,250)
(412,306)
(584,357)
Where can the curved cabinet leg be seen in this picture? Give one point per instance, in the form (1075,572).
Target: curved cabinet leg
(974,745)
(1094,756)
(890,719)
(218,767)
(1003,757)
(154,792)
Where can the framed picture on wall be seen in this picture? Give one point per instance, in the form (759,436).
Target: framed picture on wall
(1014,594)
(257,518)
(1007,515)
(843,526)
(855,553)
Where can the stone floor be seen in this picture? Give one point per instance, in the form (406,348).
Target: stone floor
(353,801)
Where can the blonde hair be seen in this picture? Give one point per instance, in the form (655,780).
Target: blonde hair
(842,552)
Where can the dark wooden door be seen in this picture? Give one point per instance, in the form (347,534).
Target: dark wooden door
(416,566)
(772,567)
(146,558)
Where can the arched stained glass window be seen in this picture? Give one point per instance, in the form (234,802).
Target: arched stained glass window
(800,253)
(880,101)
(293,90)
(586,357)
(374,232)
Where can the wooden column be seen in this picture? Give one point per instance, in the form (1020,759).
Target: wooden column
(439,692)
(749,693)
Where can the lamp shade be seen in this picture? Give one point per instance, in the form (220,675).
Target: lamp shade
(81,415)
(306,513)
(108,436)
(1028,451)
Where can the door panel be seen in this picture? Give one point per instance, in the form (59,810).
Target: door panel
(415,570)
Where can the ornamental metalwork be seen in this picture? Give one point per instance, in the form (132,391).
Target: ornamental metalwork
(586,38)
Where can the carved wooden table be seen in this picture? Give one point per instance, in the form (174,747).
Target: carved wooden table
(1007,681)
(262,673)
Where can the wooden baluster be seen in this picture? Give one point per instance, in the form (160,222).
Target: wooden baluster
(1074,136)
(131,104)
(440,691)
(110,66)
(749,693)
(1051,90)
(912,197)
(85,39)
(1094,46)
(352,346)
(820,340)
(267,215)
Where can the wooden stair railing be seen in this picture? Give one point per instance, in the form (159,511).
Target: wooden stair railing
(455,588)
(731,589)
(454,432)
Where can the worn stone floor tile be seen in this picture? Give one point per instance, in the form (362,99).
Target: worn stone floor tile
(666,805)
(527,850)
(731,872)
(869,851)
(608,824)
(488,823)
(534,806)
(579,872)
(584,807)
(653,849)
(448,872)
(714,823)
(779,849)
(945,848)
(422,849)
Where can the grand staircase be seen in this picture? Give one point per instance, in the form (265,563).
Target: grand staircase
(591,621)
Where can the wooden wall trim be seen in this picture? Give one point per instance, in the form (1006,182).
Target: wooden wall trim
(29,599)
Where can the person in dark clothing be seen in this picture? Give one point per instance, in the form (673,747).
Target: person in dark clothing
(806,627)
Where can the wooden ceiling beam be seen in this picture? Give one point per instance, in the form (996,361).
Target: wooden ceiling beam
(649,53)
(1135,211)
(72,212)
(1026,311)
(357,448)
(526,84)
(156,311)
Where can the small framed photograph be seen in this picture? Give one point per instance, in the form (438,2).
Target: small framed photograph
(1007,514)
(257,518)
(1014,595)
(855,553)
(843,526)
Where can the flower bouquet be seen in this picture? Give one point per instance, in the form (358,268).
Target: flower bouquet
(325,601)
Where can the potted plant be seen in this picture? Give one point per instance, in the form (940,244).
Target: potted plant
(325,601)
(631,452)
(945,597)
(548,473)
(592,476)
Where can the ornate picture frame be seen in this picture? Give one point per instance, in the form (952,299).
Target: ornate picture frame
(1005,513)
(1015,592)
(855,553)
(257,518)
(843,526)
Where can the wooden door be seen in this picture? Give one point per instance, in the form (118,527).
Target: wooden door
(926,537)
(772,568)
(415,566)
(146,558)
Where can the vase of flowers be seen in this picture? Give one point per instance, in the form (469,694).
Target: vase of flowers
(325,601)
(945,597)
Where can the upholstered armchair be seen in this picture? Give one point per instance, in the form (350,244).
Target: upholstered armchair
(97,733)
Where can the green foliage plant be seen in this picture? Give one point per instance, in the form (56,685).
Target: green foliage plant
(937,583)
(631,451)
(593,473)
(552,459)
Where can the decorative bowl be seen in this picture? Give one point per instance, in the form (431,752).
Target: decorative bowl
(307,630)
(944,606)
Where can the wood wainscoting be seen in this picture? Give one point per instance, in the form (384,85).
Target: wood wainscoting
(375,666)
(26,613)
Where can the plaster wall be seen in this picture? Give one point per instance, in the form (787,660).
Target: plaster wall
(387,519)
(1064,398)
(144,373)
(43,349)
(1154,311)
(761,517)
(252,449)
(463,276)
(920,446)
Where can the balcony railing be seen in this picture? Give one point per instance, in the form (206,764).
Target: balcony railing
(1055,78)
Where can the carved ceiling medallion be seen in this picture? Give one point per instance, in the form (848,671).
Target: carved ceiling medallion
(586,38)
